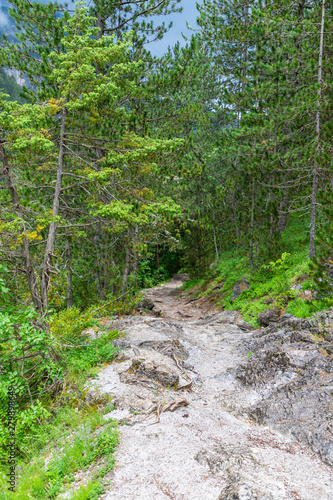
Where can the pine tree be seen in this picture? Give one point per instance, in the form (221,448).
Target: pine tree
(272,105)
(87,113)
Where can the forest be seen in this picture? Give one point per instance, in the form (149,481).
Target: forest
(120,168)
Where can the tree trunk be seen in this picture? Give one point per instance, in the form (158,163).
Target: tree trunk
(252,224)
(215,240)
(234,207)
(28,265)
(136,260)
(46,271)
(126,270)
(98,273)
(282,221)
(69,274)
(271,232)
(315,175)
(106,267)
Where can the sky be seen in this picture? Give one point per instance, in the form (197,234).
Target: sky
(189,14)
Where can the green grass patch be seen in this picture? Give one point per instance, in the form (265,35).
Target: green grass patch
(270,283)
(305,308)
(61,424)
(92,491)
(78,440)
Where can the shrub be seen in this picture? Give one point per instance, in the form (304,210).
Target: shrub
(68,324)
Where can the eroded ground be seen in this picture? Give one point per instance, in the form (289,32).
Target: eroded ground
(187,433)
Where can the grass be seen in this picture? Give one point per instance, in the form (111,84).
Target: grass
(270,283)
(78,441)
(72,436)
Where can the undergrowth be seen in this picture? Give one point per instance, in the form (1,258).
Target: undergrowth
(77,442)
(57,422)
(271,283)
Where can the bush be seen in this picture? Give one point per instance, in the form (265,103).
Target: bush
(31,366)
(305,308)
(68,324)
(51,364)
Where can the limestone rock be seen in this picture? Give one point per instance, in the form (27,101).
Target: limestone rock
(226,458)
(145,304)
(322,321)
(295,376)
(224,317)
(266,317)
(239,287)
(149,373)
(243,325)
(246,477)
(93,397)
(166,347)
(296,287)
(244,486)
(133,403)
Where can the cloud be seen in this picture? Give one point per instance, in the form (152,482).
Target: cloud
(4,19)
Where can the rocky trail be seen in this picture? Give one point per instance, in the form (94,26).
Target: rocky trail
(204,419)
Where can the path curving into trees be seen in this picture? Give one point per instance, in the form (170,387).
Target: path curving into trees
(187,432)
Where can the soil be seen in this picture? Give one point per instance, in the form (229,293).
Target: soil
(183,396)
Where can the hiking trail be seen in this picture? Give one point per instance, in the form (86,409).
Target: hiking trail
(186,432)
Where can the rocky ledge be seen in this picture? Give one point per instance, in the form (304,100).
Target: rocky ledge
(290,365)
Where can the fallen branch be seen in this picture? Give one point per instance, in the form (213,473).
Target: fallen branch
(174,405)
(192,300)
(185,386)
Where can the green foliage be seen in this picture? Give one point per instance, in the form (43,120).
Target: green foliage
(75,441)
(54,357)
(109,196)
(32,377)
(280,264)
(92,491)
(69,365)
(9,86)
(117,305)
(305,308)
(269,286)
(67,325)
(42,422)
(163,168)
(148,276)
(95,352)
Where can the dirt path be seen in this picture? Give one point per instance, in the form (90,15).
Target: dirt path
(207,448)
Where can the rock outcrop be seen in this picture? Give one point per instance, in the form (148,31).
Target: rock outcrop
(245,476)
(145,304)
(239,287)
(148,373)
(269,316)
(292,369)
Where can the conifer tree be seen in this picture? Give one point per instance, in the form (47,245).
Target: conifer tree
(87,113)
(273,106)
